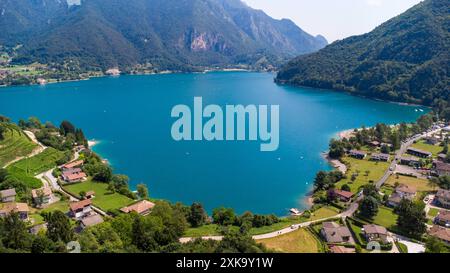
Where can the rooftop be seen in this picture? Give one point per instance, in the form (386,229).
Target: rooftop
(139,207)
(80,204)
(444,215)
(406,189)
(14,207)
(374,229)
(440,232)
(44,191)
(73,164)
(8,193)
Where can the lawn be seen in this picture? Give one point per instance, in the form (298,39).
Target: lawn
(433,212)
(39,163)
(299,241)
(14,144)
(104,199)
(376,171)
(422,145)
(386,218)
(418,184)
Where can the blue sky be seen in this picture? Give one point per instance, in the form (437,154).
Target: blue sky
(335,19)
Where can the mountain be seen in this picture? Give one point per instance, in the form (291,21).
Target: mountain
(169,34)
(406,59)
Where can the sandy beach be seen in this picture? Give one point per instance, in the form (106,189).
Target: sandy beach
(92,143)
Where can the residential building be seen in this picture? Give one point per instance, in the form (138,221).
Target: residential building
(418,153)
(334,233)
(73,175)
(72,165)
(20,208)
(442,198)
(401,192)
(344,196)
(375,233)
(441,168)
(90,194)
(42,196)
(8,195)
(410,161)
(358,154)
(80,209)
(432,140)
(380,157)
(441,233)
(443,218)
(143,207)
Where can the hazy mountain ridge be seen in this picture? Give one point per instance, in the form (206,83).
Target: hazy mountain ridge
(405,59)
(170,34)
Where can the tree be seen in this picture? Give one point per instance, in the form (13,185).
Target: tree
(238,242)
(58,227)
(385,149)
(103,173)
(120,181)
(143,233)
(369,207)
(67,128)
(370,190)
(434,245)
(337,149)
(346,187)
(197,215)
(42,244)
(411,218)
(14,233)
(142,191)
(3,175)
(2,131)
(224,216)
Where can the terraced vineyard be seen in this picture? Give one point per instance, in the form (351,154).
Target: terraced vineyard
(38,163)
(14,144)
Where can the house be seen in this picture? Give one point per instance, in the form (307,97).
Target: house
(91,220)
(442,157)
(441,168)
(90,194)
(410,161)
(442,198)
(42,196)
(418,153)
(8,195)
(357,154)
(401,192)
(441,233)
(334,233)
(341,250)
(72,165)
(80,209)
(20,208)
(432,140)
(143,207)
(443,218)
(375,233)
(344,196)
(380,157)
(374,143)
(73,175)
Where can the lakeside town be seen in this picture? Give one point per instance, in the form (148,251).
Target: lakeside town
(391,187)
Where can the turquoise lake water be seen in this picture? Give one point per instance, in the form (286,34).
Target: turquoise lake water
(130,115)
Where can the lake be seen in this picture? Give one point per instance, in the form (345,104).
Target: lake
(131,117)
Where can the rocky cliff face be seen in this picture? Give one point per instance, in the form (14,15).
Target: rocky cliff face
(170,34)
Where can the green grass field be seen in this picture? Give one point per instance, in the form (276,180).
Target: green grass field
(39,163)
(418,184)
(14,144)
(104,199)
(385,217)
(422,145)
(433,212)
(299,241)
(376,171)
